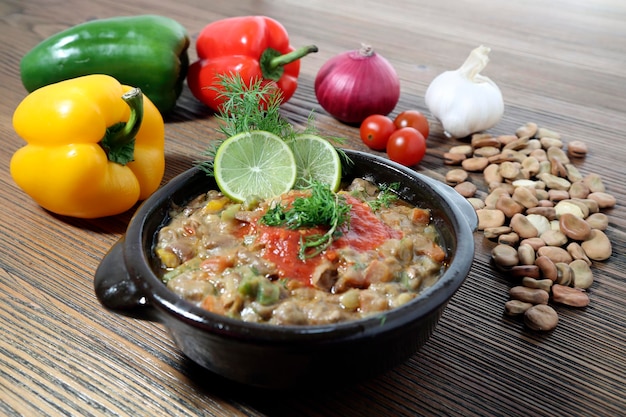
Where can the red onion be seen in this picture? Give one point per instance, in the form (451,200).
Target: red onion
(356,84)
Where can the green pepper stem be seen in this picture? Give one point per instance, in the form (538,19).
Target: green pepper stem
(119,139)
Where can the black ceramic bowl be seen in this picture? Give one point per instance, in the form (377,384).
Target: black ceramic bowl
(279,357)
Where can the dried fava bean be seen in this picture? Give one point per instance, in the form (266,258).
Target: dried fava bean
(577,149)
(529,295)
(554,238)
(544,132)
(558,195)
(494,232)
(533,144)
(547,212)
(578,253)
(516,307)
(504,186)
(466,150)
(541,223)
(480,140)
(509,206)
(594,182)
(604,200)
(567,206)
(548,142)
(582,277)
(535,242)
(466,189)
(598,247)
(521,226)
(547,268)
(510,170)
(526,254)
(584,208)
(492,198)
(557,168)
(539,154)
(527,130)
(450,158)
(505,139)
(491,173)
(555,153)
(572,173)
(522,271)
(527,197)
(504,255)
(456,176)
(555,253)
(564,273)
(542,284)
(544,166)
(544,202)
(598,221)
(511,239)
(505,155)
(574,227)
(541,318)
(592,206)
(533,185)
(476,203)
(474,164)
(578,189)
(517,145)
(489,218)
(531,165)
(553,182)
(569,296)
(486,151)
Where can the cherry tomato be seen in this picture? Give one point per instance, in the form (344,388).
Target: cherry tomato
(375,131)
(406,146)
(414,119)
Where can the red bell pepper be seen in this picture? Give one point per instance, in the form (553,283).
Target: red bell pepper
(255,47)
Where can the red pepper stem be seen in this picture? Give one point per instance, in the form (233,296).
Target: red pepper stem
(294,55)
(119,140)
(272,62)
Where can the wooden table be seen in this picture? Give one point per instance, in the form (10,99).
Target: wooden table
(559,64)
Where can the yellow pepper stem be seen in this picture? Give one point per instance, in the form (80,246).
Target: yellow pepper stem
(119,139)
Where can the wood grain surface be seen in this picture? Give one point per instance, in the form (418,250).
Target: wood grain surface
(561,64)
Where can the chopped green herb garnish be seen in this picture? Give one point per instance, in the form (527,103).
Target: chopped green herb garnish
(322,208)
(386,196)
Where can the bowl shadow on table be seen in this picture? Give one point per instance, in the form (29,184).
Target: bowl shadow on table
(264,399)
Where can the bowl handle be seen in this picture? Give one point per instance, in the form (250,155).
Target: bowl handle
(116,290)
(457,200)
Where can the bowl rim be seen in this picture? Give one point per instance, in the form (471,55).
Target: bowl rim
(138,243)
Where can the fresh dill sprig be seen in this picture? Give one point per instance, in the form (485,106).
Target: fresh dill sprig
(322,208)
(254,107)
(386,196)
(251,107)
(246,108)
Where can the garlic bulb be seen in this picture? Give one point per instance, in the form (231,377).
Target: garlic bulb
(464,101)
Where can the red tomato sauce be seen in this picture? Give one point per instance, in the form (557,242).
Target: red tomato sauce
(282,246)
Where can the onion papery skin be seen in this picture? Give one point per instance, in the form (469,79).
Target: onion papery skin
(356,84)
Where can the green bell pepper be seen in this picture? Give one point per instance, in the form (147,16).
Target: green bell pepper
(147,51)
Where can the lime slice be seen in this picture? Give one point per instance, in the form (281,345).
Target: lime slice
(256,163)
(316,159)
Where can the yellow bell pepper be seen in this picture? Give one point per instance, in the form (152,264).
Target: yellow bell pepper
(94,147)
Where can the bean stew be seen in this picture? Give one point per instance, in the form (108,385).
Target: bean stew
(219,255)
